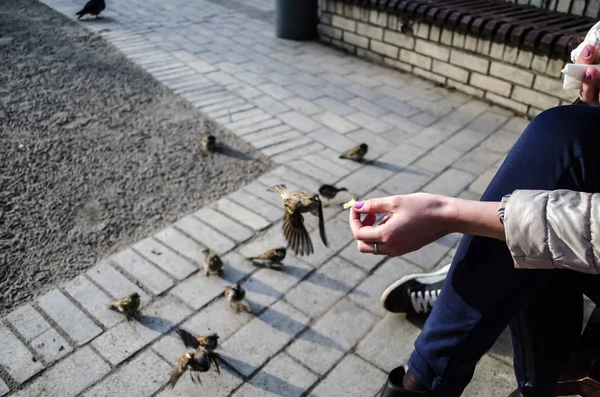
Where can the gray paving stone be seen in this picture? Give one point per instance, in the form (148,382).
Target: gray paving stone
(488,122)
(477,160)
(482,182)
(334,106)
(73,321)
(282,376)
(315,295)
(65,378)
(328,340)
(259,189)
(450,182)
(236,267)
(368,293)
(333,156)
(271,331)
(198,290)
(378,145)
(181,244)
(289,145)
(369,122)
(492,378)
(93,299)
(303,106)
(402,123)
(332,139)
(428,256)
(501,141)
(438,159)
(466,139)
(306,91)
(430,137)
(390,343)
(298,121)
(50,346)
(114,282)
(296,152)
(270,105)
(365,179)
(263,208)
(326,164)
(204,234)
(265,125)
(242,214)
(367,106)
(516,124)
(293,178)
(409,180)
(352,377)
(224,224)
(15,358)
(3,388)
(126,338)
(275,91)
(364,261)
(336,123)
(338,235)
(424,118)
(397,106)
(140,269)
(268,132)
(275,139)
(401,156)
(142,376)
(309,169)
(28,322)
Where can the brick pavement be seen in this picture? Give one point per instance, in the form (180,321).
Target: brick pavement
(317,327)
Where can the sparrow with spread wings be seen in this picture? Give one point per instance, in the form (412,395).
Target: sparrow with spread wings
(199,358)
(295,205)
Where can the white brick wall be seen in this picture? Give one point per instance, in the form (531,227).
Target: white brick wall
(501,74)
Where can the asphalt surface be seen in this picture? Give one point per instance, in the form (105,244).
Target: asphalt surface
(94,153)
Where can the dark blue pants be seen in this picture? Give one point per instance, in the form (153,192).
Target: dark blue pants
(484,293)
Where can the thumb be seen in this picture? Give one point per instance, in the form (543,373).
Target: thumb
(375,206)
(588,55)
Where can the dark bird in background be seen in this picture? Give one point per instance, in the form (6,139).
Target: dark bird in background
(357,153)
(128,305)
(235,296)
(330,191)
(271,258)
(209,143)
(295,204)
(92,7)
(213,265)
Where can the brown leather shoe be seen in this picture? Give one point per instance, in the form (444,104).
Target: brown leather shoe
(393,386)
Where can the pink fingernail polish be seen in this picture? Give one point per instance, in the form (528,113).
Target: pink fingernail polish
(359,204)
(588,76)
(587,52)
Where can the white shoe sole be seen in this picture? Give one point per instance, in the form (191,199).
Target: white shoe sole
(406,278)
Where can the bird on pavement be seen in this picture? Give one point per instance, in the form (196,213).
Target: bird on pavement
(93,7)
(295,205)
(213,265)
(235,295)
(209,143)
(128,305)
(330,191)
(357,153)
(271,258)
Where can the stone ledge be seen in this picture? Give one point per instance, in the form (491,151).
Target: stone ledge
(513,78)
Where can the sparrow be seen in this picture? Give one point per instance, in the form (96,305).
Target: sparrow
(357,153)
(93,7)
(212,263)
(235,295)
(330,191)
(196,361)
(207,343)
(271,258)
(295,204)
(128,305)
(209,143)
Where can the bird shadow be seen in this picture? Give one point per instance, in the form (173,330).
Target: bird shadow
(286,324)
(263,380)
(395,168)
(97,20)
(255,286)
(154,323)
(231,152)
(321,280)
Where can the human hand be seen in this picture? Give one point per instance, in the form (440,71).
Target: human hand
(416,220)
(589,90)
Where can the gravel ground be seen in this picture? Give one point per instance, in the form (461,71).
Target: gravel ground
(94,153)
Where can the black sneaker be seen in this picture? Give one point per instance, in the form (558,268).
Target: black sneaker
(414,293)
(393,386)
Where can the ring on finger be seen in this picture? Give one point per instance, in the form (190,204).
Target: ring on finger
(376,246)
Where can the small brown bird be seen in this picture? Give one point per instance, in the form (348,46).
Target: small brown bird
(271,258)
(295,204)
(209,143)
(93,7)
(213,265)
(128,305)
(357,153)
(207,342)
(330,191)
(235,295)
(195,362)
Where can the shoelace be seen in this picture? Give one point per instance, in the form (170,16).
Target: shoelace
(423,301)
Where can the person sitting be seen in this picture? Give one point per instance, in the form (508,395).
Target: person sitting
(530,249)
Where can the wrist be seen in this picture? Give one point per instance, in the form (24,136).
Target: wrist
(478,218)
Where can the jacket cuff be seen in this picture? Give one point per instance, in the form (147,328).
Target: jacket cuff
(525,229)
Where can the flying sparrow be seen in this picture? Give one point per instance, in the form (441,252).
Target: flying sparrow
(296,204)
(271,258)
(195,362)
(128,305)
(235,295)
(357,153)
(212,263)
(207,343)
(209,143)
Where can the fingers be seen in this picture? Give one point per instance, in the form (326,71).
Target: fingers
(364,230)
(589,89)
(369,220)
(588,55)
(376,205)
(369,248)
(385,219)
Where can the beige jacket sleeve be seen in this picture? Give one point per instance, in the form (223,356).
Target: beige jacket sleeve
(554,229)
